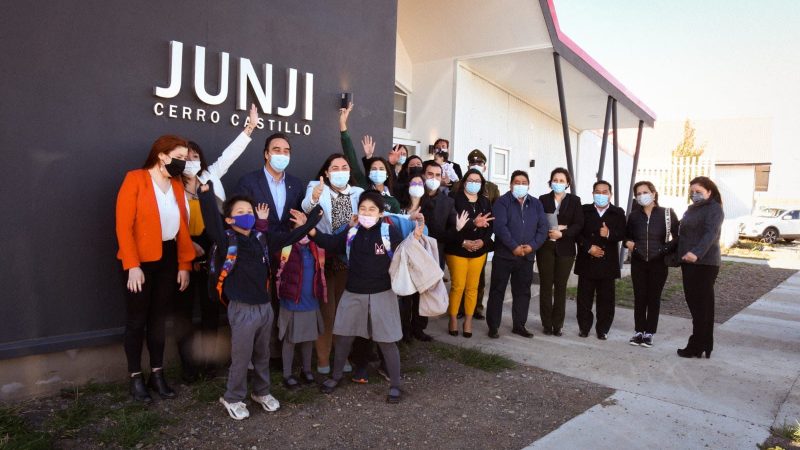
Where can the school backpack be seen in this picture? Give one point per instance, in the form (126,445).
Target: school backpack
(220,264)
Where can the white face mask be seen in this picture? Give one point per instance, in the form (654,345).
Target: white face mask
(644,199)
(432,184)
(192,168)
(416,191)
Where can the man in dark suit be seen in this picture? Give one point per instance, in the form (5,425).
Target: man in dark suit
(282,192)
(597,263)
(272,185)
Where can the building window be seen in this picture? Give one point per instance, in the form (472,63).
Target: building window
(400,108)
(762,177)
(499,163)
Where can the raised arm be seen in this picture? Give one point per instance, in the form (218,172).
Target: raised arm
(220,167)
(304,224)
(211,216)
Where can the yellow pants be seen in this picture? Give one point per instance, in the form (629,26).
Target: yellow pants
(464,277)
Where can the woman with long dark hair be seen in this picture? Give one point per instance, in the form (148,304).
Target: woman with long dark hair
(698,246)
(556,256)
(646,236)
(467,249)
(156,253)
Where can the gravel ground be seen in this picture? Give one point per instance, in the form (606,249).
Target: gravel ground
(446,405)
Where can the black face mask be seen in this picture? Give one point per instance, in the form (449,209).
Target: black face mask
(175,167)
(444,155)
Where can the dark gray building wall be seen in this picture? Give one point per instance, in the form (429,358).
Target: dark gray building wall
(77,81)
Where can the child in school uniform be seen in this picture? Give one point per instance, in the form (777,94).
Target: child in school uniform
(242,281)
(301,288)
(368,308)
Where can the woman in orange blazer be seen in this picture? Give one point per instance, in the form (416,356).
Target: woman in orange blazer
(156,253)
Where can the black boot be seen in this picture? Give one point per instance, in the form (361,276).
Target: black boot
(159,384)
(139,390)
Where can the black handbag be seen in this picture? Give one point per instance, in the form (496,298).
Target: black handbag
(671,257)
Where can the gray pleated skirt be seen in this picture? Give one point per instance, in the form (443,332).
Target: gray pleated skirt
(300,326)
(371,316)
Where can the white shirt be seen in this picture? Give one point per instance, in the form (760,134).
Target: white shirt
(168,212)
(601,211)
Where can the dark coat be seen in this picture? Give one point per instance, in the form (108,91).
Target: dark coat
(440,215)
(649,235)
(700,231)
(607,266)
(470,231)
(518,224)
(254,185)
(570,214)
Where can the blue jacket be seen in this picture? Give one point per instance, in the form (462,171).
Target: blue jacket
(518,224)
(254,185)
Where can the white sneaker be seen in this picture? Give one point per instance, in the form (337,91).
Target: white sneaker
(268,402)
(237,411)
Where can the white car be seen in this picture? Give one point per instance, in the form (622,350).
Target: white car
(772,224)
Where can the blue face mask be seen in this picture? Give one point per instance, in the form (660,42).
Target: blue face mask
(244,221)
(279,162)
(601,200)
(402,160)
(519,190)
(558,188)
(377,176)
(340,179)
(473,187)
(697,197)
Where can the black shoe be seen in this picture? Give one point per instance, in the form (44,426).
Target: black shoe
(422,336)
(291,383)
(689,352)
(547,331)
(557,332)
(493,334)
(328,386)
(308,378)
(394,395)
(602,336)
(583,334)
(452,332)
(478,316)
(522,332)
(159,384)
(139,390)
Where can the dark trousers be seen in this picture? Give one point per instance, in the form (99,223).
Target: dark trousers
(698,288)
(604,288)
(184,327)
(520,271)
(481,290)
(146,311)
(554,273)
(409,315)
(648,283)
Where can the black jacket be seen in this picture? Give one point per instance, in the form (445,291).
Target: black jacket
(607,266)
(570,213)
(440,216)
(700,230)
(649,233)
(470,231)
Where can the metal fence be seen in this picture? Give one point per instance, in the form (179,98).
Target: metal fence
(673,181)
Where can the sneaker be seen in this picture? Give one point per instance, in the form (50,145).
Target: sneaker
(268,402)
(347,367)
(647,340)
(323,370)
(636,339)
(360,376)
(237,411)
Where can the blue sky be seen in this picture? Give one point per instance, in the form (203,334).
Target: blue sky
(700,59)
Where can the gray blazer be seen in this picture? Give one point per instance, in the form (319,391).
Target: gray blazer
(700,231)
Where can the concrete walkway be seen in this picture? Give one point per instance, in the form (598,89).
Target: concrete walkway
(663,401)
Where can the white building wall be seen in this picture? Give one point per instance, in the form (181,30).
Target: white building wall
(431,103)
(736,185)
(403,69)
(487,115)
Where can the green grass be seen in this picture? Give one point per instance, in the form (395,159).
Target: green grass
(488,362)
(132,425)
(15,433)
(208,390)
(790,432)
